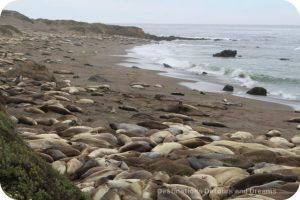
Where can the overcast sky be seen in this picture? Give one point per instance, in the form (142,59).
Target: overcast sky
(163,11)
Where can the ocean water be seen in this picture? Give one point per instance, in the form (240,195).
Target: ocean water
(260,49)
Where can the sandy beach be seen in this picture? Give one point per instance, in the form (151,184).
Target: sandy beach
(92,95)
(254,116)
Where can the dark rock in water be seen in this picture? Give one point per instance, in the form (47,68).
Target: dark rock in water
(135,67)
(258,91)
(228,88)
(97,78)
(204,73)
(284,59)
(167,66)
(89,65)
(226,54)
(214,124)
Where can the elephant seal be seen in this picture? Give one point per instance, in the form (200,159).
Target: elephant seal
(74,108)
(175,115)
(34,110)
(259,179)
(153,125)
(102,152)
(70,132)
(200,163)
(131,129)
(55,154)
(139,146)
(85,101)
(73,165)
(27,121)
(56,108)
(88,163)
(166,148)
(46,157)
(47,121)
(59,166)
(139,174)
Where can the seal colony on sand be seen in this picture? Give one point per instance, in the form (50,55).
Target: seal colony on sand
(133,140)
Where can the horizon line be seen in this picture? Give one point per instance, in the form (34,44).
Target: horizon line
(153,23)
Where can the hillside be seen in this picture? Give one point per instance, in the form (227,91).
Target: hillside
(23,175)
(20,22)
(24,23)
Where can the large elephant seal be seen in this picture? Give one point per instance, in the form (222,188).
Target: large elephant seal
(259,179)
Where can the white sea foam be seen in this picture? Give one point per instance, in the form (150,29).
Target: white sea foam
(284,95)
(256,67)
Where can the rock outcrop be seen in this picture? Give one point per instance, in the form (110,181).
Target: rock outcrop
(260,91)
(226,54)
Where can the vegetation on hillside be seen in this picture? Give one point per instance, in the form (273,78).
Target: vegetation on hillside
(17,15)
(8,30)
(25,176)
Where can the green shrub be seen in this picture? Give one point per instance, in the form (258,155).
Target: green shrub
(9,30)
(25,176)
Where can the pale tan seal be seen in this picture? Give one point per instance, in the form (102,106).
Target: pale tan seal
(60,166)
(166,148)
(73,165)
(47,121)
(85,101)
(27,121)
(34,110)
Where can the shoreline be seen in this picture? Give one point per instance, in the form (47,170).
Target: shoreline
(266,107)
(207,83)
